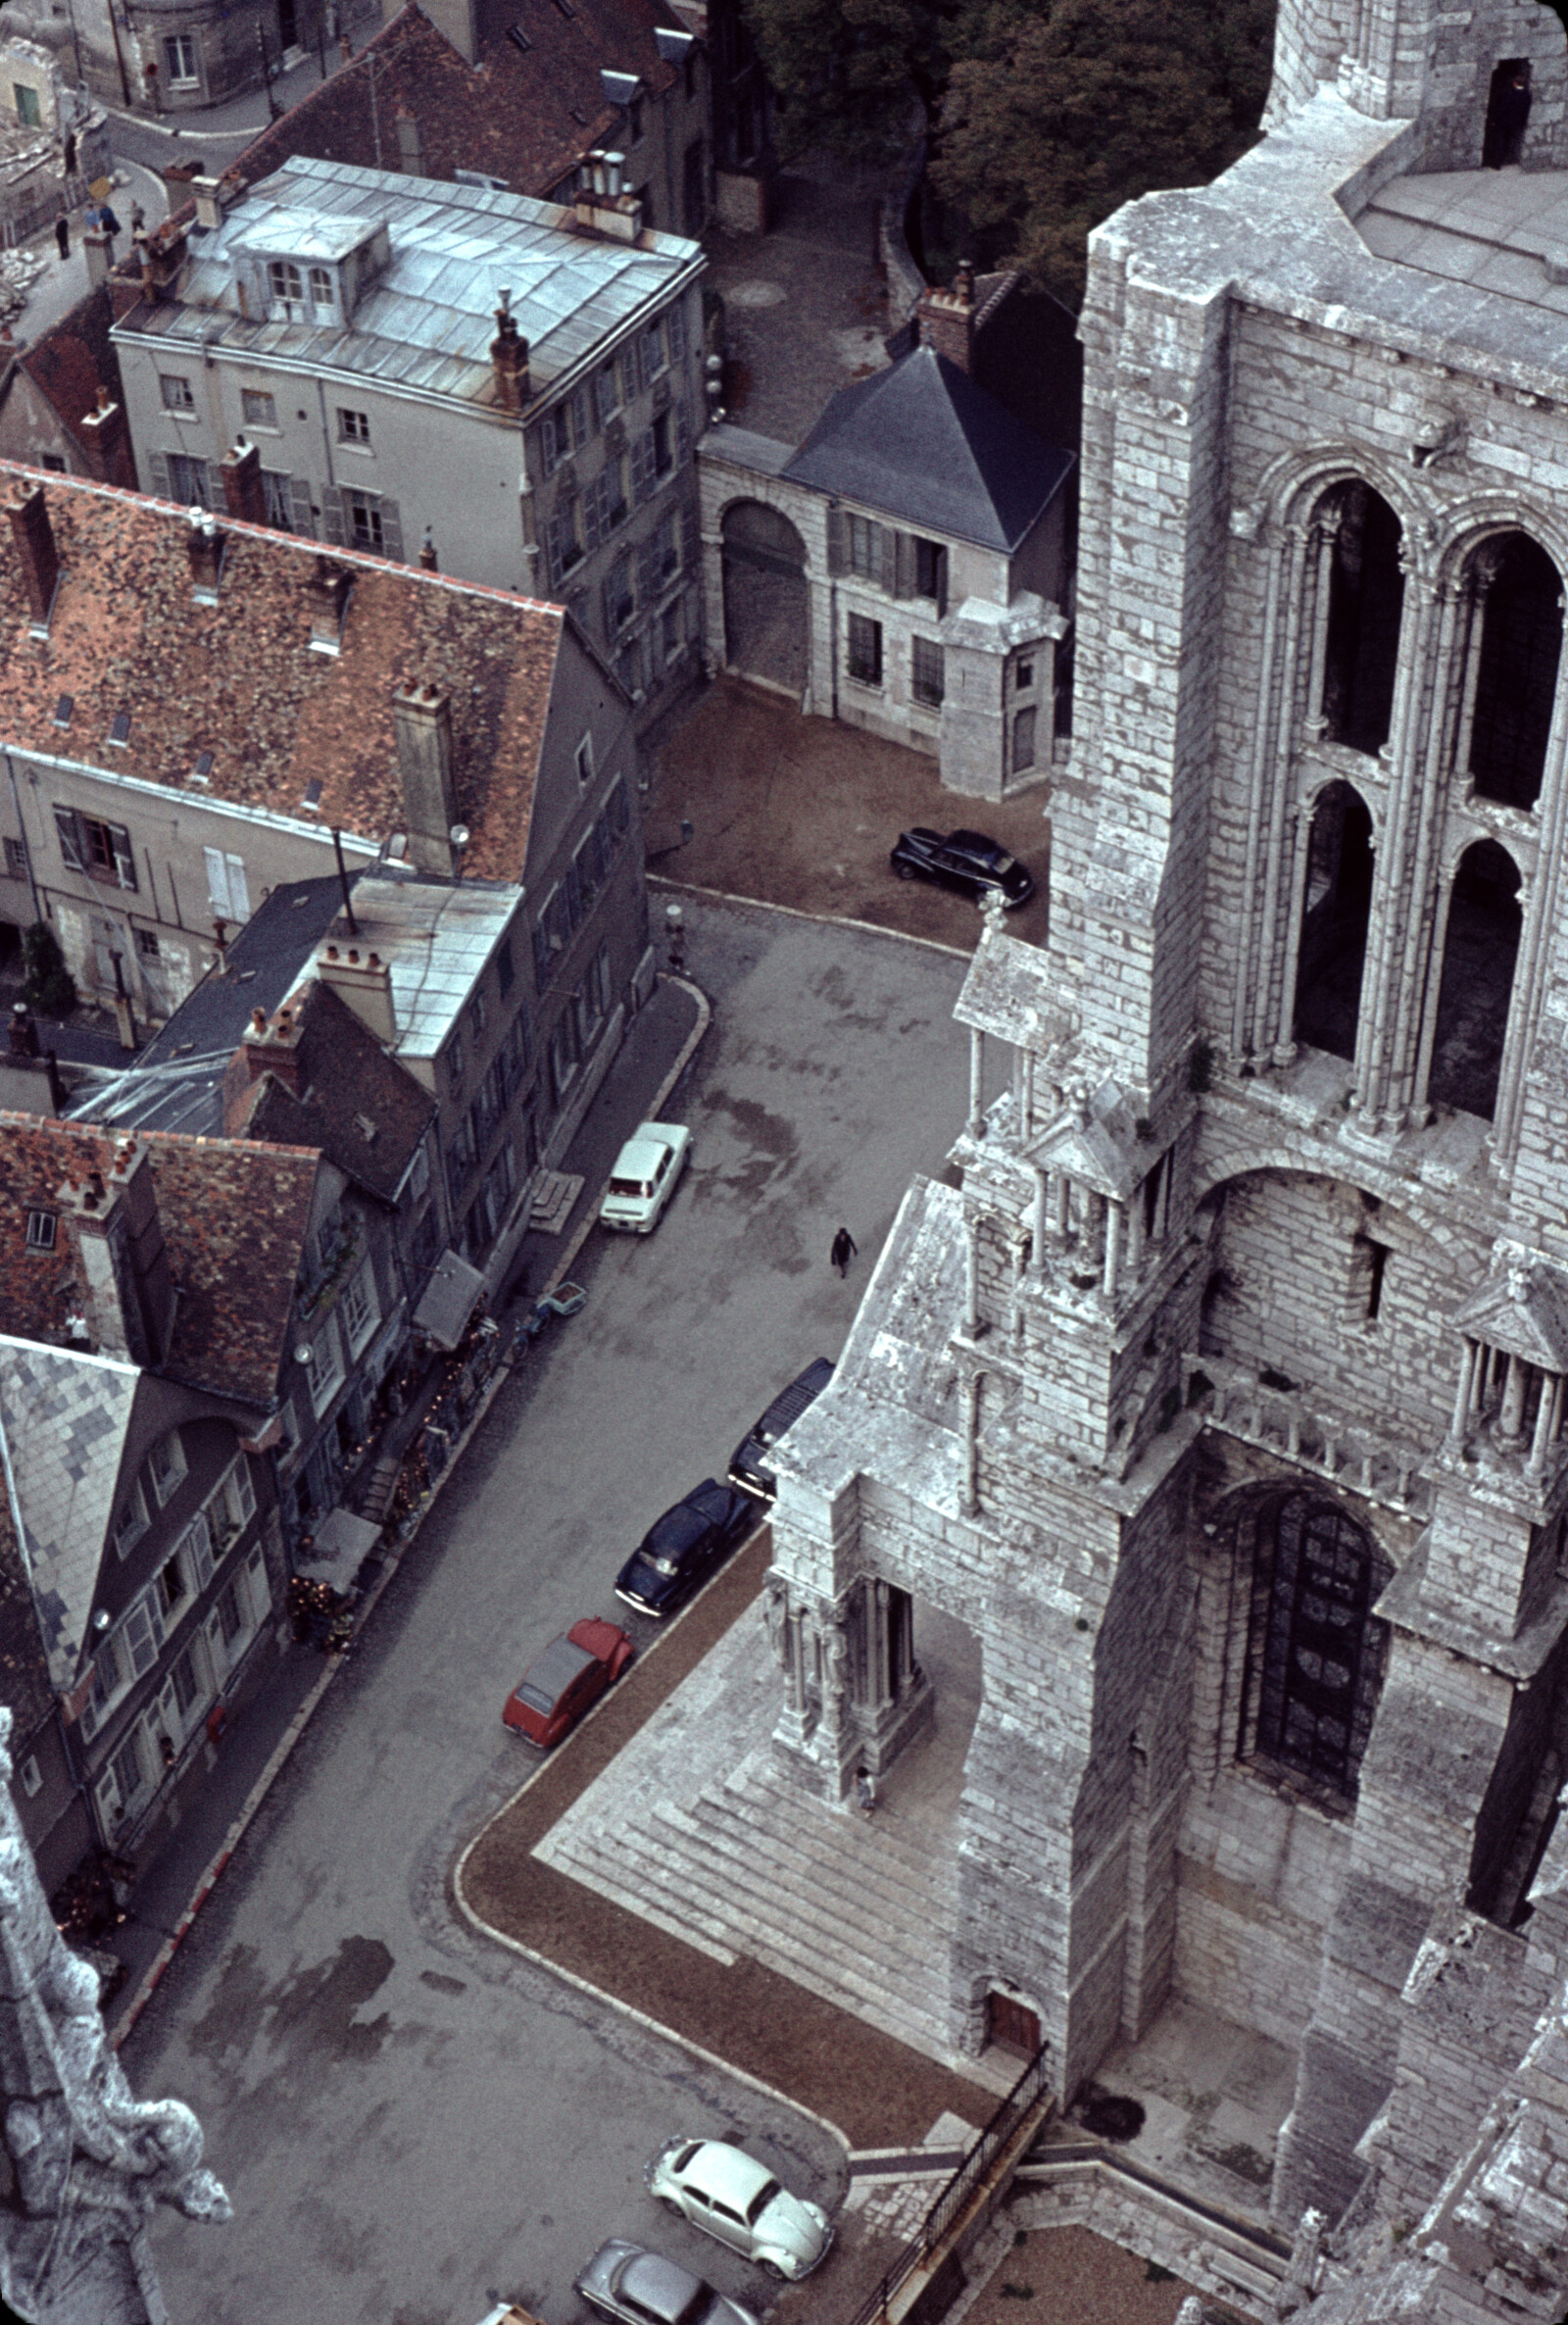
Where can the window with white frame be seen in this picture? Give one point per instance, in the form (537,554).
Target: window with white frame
(241,1605)
(353,427)
(586,761)
(285,280)
(30,1776)
(361,1310)
(227,888)
(259,406)
(227,1510)
(166,1465)
(41,1227)
(131,1523)
(175,391)
(324,293)
(179,54)
(324,1367)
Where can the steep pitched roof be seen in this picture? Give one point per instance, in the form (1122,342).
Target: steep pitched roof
(25,1677)
(239,678)
(922,442)
(65,1414)
(235,1217)
(362,1107)
(526,116)
(72,362)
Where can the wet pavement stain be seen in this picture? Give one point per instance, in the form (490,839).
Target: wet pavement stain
(314,2010)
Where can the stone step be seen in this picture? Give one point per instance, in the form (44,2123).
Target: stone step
(555,1192)
(643,1884)
(870,1905)
(863,1924)
(774,1801)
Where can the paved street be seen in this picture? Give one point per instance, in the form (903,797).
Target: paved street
(409,2121)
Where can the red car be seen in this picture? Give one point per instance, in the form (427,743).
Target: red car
(559,1685)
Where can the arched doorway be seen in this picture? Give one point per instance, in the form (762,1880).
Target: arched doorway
(1333,922)
(1516,684)
(1317,1653)
(1366,596)
(1480,949)
(764,596)
(1507,113)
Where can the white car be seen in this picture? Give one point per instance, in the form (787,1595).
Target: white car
(736,2199)
(644,1177)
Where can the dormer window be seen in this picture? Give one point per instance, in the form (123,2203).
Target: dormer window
(323,290)
(285,280)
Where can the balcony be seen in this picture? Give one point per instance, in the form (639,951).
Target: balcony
(1312,1438)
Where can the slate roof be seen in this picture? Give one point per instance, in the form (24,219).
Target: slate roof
(922,441)
(239,678)
(426,320)
(25,1682)
(524,116)
(235,1218)
(361,1107)
(65,1414)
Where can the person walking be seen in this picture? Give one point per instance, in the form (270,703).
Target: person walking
(63,235)
(843,1250)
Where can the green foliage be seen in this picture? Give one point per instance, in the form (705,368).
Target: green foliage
(1065,109)
(848,74)
(49,986)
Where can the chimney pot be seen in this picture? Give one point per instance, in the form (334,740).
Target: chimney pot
(205,543)
(34,537)
(257,1021)
(328,601)
(241,470)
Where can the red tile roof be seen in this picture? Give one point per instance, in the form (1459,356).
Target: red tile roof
(72,361)
(527,117)
(240,678)
(235,1217)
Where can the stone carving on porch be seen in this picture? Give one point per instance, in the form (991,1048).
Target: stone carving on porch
(88,2160)
(1300,2282)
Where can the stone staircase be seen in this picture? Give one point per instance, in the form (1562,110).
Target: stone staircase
(843,1903)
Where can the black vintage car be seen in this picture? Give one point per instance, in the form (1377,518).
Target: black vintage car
(964,860)
(748,1468)
(681,1549)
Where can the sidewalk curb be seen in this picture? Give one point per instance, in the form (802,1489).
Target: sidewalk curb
(394,1566)
(794,912)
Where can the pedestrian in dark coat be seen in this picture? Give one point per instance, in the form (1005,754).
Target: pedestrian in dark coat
(62,234)
(844,1251)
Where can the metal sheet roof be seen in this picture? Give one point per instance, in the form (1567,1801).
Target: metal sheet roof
(427,319)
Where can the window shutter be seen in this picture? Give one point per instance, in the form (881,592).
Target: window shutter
(886,558)
(838,541)
(641,466)
(72,849)
(218,881)
(238,893)
(677,333)
(332,515)
(903,556)
(301,519)
(157,465)
(391,530)
(124,860)
(647,571)
(691,539)
(941,583)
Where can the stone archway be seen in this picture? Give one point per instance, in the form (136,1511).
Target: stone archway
(765,599)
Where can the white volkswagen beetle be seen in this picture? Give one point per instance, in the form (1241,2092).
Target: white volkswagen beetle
(736,2199)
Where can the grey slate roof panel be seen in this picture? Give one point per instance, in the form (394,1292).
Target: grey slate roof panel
(65,1415)
(922,441)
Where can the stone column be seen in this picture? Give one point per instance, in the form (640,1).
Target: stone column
(968,1489)
(1464,1393)
(1116,1219)
(1275,547)
(1510,1420)
(1546,1414)
(900,1703)
(1435,948)
(977,1083)
(1540,918)
(1416,964)
(1284,754)
(1388,892)
(1037,1262)
(1290,968)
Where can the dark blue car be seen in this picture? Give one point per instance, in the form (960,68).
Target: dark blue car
(681,1549)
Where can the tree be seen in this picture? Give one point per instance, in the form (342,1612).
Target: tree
(1065,109)
(50,986)
(848,74)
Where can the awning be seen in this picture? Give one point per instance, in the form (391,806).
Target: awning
(343,1542)
(447,1301)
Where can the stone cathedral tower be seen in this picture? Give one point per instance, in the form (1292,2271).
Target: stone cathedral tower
(1223,1400)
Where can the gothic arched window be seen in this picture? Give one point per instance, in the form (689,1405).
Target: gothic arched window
(1366,596)
(1317,1652)
(1516,683)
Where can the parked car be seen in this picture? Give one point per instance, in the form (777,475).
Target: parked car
(572,1673)
(681,1549)
(644,1177)
(736,2198)
(964,860)
(748,1468)
(636,2287)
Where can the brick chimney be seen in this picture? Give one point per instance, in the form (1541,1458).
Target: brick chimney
(427,555)
(946,318)
(163,254)
(106,443)
(98,247)
(328,601)
(127,1291)
(241,470)
(268,1047)
(34,537)
(205,541)
(509,359)
(212,197)
(422,717)
(364,982)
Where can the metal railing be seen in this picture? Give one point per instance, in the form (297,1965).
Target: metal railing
(948,2205)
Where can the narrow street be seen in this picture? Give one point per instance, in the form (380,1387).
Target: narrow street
(350,2049)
